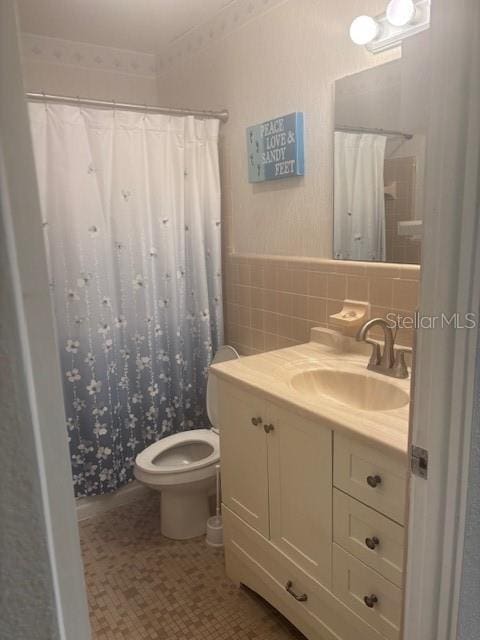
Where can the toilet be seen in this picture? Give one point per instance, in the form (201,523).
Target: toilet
(183,467)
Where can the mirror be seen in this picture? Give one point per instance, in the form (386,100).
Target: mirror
(379,162)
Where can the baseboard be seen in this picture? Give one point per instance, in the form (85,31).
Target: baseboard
(88,507)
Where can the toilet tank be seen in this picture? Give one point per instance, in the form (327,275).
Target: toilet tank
(223,354)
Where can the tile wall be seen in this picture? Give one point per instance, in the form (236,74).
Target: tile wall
(401,172)
(273,301)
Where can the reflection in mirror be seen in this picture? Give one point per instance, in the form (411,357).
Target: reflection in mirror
(379,163)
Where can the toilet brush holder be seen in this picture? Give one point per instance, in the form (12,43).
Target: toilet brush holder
(215,523)
(215,531)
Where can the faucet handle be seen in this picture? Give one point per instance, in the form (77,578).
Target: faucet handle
(400,369)
(376,353)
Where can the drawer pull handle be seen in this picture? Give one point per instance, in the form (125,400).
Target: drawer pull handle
(374,481)
(301,598)
(371,600)
(268,427)
(256,421)
(372,542)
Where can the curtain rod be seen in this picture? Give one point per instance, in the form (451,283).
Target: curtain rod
(382,132)
(46,97)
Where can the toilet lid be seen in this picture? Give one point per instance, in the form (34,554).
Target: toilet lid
(223,354)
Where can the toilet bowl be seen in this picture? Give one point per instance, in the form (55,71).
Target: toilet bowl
(183,467)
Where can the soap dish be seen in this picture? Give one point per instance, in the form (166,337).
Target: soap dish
(353,314)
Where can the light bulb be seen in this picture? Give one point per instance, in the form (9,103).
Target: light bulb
(364,29)
(401,12)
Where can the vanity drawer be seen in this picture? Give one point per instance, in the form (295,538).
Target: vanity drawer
(375,599)
(369,536)
(371,476)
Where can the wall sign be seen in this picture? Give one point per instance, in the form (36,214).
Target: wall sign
(275,148)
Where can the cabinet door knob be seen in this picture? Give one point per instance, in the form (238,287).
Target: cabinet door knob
(268,427)
(301,597)
(372,542)
(256,421)
(370,600)
(374,481)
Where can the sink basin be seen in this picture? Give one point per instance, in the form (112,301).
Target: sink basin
(353,389)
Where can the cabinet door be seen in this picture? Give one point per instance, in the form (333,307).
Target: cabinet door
(243,455)
(300,482)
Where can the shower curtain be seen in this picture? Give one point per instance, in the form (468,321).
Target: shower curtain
(131,206)
(359,219)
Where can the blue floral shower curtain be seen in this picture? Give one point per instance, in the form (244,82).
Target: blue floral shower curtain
(131,206)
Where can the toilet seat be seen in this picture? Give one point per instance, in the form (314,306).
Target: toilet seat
(171,471)
(145,459)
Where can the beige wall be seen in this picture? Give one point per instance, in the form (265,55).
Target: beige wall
(286,59)
(63,67)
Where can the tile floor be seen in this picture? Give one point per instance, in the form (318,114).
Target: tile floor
(142,586)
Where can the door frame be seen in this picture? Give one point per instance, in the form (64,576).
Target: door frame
(37,355)
(446,358)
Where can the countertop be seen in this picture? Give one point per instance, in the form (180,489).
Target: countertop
(270,374)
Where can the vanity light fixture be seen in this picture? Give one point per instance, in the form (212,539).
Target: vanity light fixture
(402,18)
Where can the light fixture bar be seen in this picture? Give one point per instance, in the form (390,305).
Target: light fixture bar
(391,36)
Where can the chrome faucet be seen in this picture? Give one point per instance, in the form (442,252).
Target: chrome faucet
(389,363)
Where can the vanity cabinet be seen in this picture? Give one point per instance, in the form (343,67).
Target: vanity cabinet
(313,518)
(276,475)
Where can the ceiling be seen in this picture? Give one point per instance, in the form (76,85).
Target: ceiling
(137,25)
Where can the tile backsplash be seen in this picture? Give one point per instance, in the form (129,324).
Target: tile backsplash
(273,301)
